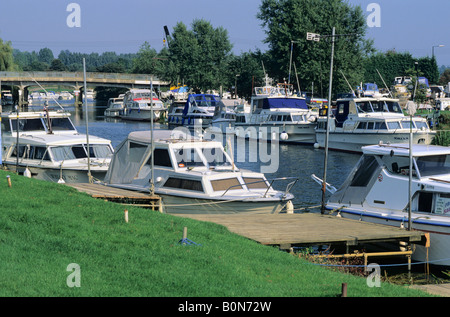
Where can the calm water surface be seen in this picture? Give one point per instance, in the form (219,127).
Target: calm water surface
(298,161)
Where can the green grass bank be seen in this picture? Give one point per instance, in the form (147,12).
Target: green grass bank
(44,227)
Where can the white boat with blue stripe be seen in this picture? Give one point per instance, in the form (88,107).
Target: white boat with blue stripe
(378,190)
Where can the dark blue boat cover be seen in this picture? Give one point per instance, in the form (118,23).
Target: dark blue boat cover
(282,102)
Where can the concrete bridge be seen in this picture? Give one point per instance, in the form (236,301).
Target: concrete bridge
(24,80)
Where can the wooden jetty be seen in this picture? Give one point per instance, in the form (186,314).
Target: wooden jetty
(306,229)
(118,195)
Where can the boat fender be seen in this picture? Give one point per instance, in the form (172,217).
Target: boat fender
(316,145)
(284,136)
(289,207)
(27,173)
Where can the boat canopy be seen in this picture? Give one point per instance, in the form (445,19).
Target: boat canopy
(200,100)
(285,103)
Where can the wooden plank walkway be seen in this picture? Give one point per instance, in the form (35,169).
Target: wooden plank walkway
(286,230)
(118,195)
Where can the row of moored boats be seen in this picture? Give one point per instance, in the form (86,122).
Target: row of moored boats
(194,175)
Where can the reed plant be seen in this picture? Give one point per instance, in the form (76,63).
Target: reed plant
(45,227)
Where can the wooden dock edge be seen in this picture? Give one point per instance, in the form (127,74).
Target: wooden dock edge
(118,195)
(307,229)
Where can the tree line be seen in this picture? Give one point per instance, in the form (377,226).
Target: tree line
(201,55)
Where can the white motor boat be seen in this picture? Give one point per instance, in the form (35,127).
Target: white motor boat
(140,103)
(198,111)
(50,148)
(276,113)
(114,107)
(357,122)
(191,175)
(377,190)
(224,115)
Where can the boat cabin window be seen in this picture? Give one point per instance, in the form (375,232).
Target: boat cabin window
(188,158)
(364,106)
(32,152)
(216,157)
(62,153)
(61,124)
(28,125)
(380,126)
(255,183)
(366,168)
(370,125)
(297,117)
(224,184)
(421,125)
(393,125)
(162,158)
(407,124)
(362,126)
(181,183)
(433,165)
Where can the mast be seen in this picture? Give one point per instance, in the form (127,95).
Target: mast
(152,157)
(87,121)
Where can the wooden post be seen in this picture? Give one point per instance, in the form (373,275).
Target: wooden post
(126,215)
(9,180)
(344,290)
(184,235)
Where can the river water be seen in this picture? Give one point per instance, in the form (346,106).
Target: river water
(299,161)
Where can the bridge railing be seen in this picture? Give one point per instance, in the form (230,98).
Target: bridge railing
(89,75)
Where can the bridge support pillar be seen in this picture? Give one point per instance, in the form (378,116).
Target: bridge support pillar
(78,95)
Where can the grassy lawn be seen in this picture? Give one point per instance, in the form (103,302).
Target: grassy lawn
(44,227)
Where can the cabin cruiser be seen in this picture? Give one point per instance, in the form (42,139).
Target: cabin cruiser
(192,175)
(198,111)
(276,113)
(175,112)
(357,122)
(377,190)
(114,107)
(50,148)
(141,110)
(225,115)
(140,103)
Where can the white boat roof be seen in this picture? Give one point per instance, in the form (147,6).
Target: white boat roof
(402,149)
(58,139)
(369,98)
(161,135)
(36,114)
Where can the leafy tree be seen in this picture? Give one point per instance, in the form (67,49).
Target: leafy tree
(147,61)
(445,77)
(291,20)
(392,64)
(199,57)
(57,65)
(6,56)
(246,72)
(45,56)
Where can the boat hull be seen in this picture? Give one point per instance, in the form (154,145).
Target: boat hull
(289,133)
(141,115)
(352,142)
(185,205)
(54,175)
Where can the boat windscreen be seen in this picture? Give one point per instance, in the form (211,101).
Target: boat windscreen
(61,124)
(433,165)
(26,125)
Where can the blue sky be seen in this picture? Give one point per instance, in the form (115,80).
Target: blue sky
(122,26)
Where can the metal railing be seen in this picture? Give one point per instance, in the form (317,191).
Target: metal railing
(78,75)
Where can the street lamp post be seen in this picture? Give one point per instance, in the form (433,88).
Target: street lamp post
(432,49)
(316,38)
